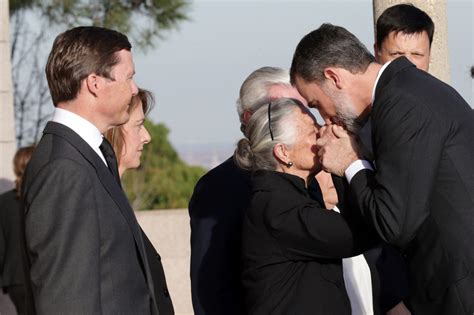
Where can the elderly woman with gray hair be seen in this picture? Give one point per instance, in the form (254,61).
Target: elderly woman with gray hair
(292,246)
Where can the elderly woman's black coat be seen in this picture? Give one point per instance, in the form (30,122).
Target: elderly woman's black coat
(292,249)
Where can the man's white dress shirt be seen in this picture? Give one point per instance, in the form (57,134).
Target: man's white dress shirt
(84,128)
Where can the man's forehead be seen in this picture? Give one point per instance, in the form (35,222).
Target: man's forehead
(301,84)
(277,91)
(418,37)
(125,62)
(307,88)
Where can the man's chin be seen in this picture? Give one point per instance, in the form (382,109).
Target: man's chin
(354,125)
(125,118)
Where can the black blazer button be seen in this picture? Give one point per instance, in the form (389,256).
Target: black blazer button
(166,292)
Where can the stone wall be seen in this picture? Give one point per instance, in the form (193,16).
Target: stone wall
(169,231)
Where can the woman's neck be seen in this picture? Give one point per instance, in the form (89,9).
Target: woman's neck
(303,174)
(121,170)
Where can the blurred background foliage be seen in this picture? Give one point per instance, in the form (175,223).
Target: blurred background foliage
(163,181)
(16,5)
(151,17)
(144,21)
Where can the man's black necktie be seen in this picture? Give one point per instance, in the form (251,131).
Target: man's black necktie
(110,158)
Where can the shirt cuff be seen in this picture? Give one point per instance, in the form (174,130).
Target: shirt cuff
(355,167)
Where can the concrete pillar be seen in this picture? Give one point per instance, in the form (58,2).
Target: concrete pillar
(7,119)
(436,9)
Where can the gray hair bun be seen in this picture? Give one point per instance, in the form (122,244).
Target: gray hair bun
(243,155)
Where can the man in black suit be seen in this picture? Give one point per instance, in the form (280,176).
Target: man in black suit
(419,194)
(85,250)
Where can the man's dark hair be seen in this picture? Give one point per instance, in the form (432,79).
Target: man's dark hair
(79,52)
(328,46)
(404,18)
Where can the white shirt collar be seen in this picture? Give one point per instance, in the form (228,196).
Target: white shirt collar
(378,77)
(84,128)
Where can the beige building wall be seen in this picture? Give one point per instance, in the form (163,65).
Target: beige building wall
(436,9)
(7,121)
(169,231)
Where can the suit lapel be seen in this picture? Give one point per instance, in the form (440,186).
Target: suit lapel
(108,181)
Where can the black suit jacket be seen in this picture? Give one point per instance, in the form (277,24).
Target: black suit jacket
(11,272)
(216,211)
(292,249)
(84,246)
(421,197)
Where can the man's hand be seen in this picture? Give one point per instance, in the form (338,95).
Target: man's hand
(337,149)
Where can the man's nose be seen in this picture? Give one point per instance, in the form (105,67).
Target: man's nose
(134,88)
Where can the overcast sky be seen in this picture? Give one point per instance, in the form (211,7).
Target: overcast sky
(197,71)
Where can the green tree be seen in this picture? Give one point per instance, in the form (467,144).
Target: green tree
(143,20)
(163,181)
(16,5)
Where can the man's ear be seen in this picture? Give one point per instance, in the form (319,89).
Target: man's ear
(281,153)
(376,52)
(334,76)
(93,83)
(246,116)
